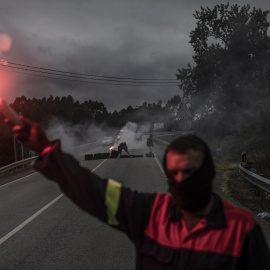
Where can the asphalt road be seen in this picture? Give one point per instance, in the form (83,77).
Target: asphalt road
(40,228)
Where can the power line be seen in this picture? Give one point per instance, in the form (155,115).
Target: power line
(86,81)
(82,75)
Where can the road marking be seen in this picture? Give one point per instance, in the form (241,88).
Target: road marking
(159,165)
(18,228)
(99,165)
(17,180)
(161,140)
(27,221)
(157,160)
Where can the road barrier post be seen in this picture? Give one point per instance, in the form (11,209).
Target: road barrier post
(244,158)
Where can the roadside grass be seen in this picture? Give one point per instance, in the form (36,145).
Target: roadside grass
(261,161)
(236,187)
(233,184)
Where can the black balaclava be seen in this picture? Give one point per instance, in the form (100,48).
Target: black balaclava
(195,192)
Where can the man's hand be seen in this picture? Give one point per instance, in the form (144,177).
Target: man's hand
(31,135)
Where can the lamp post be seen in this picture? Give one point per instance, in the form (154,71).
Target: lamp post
(22,151)
(22,144)
(15,148)
(244,158)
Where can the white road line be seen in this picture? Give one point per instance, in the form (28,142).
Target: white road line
(23,224)
(100,165)
(18,228)
(161,140)
(157,160)
(17,180)
(159,165)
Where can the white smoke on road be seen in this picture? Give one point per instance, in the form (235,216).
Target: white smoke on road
(73,135)
(131,133)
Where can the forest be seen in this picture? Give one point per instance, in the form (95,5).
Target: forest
(68,112)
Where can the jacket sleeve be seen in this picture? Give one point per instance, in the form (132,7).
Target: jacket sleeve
(105,199)
(255,253)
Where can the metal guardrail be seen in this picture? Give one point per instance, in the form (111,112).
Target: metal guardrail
(17,164)
(76,150)
(257,180)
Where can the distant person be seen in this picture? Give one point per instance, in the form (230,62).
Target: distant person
(150,144)
(189,228)
(219,152)
(122,146)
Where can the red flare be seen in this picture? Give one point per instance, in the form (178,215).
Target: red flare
(9,113)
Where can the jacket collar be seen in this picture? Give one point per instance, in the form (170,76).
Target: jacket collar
(215,219)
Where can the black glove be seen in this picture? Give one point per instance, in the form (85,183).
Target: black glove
(31,135)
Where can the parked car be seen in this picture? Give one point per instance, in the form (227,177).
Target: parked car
(108,141)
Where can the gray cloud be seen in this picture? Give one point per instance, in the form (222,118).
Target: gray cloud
(139,39)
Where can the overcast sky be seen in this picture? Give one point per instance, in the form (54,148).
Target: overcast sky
(117,38)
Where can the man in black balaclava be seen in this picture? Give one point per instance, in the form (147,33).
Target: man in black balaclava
(190,170)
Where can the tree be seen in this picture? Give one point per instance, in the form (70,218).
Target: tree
(231,48)
(174,104)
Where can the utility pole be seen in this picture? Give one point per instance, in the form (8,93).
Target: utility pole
(15,148)
(22,144)
(22,151)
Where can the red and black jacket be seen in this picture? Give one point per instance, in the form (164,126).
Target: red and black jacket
(228,238)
